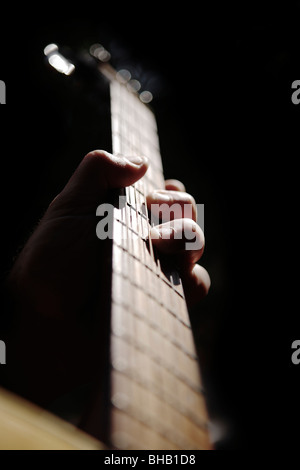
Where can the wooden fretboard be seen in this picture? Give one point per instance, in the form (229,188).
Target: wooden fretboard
(156,397)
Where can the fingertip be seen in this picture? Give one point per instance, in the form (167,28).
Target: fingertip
(180,237)
(132,161)
(174,185)
(98,172)
(202,278)
(171,204)
(196,283)
(136,161)
(119,170)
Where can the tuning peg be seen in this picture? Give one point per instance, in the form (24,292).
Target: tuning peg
(146,96)
(57,60)
(100,53)
(134,85)
(123,76)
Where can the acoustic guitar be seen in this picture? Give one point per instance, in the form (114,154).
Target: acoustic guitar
(154,398)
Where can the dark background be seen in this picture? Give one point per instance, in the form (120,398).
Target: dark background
(221,79)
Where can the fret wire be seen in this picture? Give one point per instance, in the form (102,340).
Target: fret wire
(135,397)
(164,283)
(146,437)
(142,184)
(126,214)
(193,408)
(134,280)
(183,353)
(144,414)
(128,356)
(151,165)
(171,397)
(174,326)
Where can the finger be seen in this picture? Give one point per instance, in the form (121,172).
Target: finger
(168,205)
(196,284)
(98,172)
(174,185)
(181,237)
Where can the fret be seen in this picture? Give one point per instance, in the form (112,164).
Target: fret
(137,276)
(156,395)
(128,130)
(160,345)
(150,411)
(171,325)
(166,383)
(133,268)
(141,437)
(139,366)
(142,400)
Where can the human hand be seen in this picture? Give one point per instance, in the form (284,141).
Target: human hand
(172,237)
(61,268)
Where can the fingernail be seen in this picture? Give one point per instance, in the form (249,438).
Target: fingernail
(162,196)
(161,232)
(135,160)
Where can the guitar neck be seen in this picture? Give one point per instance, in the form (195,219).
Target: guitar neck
(156,396)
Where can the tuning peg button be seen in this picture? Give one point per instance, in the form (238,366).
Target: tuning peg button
(57,60)
(100,53)
(146,96)
(123,76)
(134,85)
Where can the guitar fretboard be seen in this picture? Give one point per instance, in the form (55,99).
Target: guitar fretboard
(156,399)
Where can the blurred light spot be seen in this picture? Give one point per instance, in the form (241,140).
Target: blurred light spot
(50,49)
(133,85)
(60,63)
(98,51)
(123,76)
(146,96)
(218,430)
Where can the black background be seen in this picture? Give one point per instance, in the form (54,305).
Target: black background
(221,77)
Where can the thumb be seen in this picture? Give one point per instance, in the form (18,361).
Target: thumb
(98,172)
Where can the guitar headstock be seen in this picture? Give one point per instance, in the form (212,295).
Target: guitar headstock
(97,58)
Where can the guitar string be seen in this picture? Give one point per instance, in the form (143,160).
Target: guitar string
(127,150)
(157,378)
(139,146)
(129,192)
(143,186)
(135,143)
